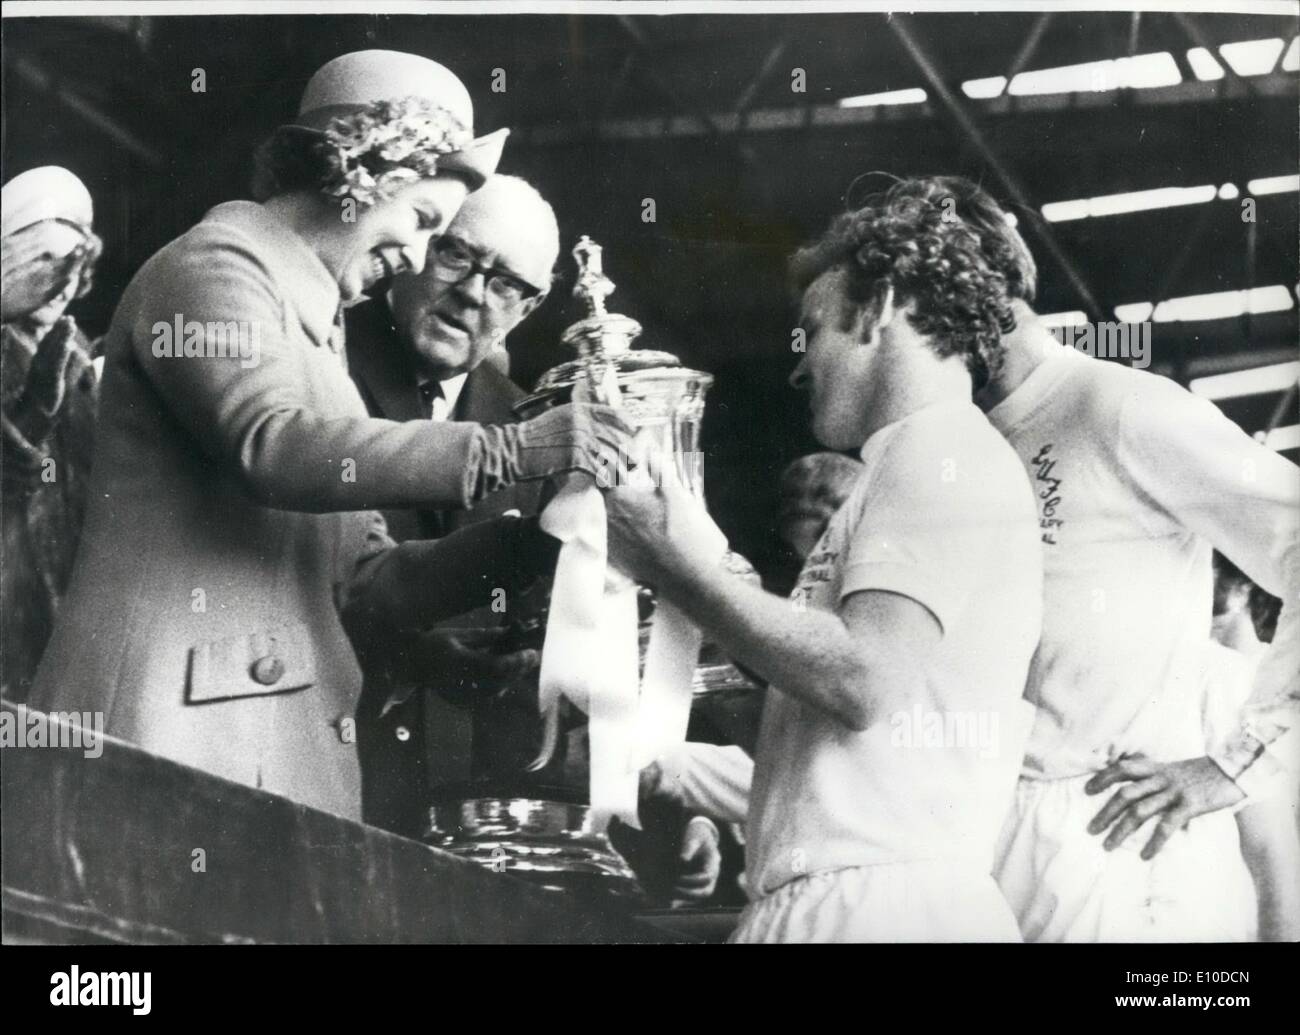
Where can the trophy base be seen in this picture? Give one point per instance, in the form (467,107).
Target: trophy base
(548,843)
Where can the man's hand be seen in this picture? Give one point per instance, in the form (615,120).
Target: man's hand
(1180,791)
(699,862)
(655,525)
(463,664)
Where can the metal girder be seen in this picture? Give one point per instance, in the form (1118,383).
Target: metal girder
(1010,182)
(41,80)
(1030,46)
(1193,33)
(832,116)
(647,70)
(1190,245)
(1283,405)
(1134,32)
(746,97)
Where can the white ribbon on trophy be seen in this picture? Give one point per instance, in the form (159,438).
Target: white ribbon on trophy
(590,654)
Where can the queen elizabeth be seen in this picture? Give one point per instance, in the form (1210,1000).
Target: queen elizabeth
(232,504)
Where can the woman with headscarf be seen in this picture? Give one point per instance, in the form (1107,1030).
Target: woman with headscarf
(48,393)
(237,473)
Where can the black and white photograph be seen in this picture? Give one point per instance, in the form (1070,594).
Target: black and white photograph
(651,473)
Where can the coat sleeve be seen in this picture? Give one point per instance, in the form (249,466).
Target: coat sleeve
(397,589)
(1243,498)
(251,415)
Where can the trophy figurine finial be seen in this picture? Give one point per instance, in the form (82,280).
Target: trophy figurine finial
(600,336)
(593,287)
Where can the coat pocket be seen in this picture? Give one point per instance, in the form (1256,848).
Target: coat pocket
(275,661)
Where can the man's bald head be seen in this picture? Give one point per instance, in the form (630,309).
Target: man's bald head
(514,203)
(451,324)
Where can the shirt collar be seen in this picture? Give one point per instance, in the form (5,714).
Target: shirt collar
(1034,390)
(451,389)
(938,410)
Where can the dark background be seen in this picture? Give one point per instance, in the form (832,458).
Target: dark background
(697,112)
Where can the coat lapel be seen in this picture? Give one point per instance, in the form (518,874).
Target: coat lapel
(488,397)
(376,364)
(315,295)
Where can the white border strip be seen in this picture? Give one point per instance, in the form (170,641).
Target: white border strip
(66,8)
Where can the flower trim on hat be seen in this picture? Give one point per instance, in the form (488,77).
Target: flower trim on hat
(374,152)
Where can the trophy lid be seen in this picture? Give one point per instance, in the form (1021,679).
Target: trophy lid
(603,341)
(565,375)
(639,373)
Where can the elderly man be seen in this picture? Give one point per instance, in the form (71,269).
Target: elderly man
(417,353)
(428,349)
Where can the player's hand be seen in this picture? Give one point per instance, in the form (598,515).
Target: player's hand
(655,524)
(699,861)
(1176,791)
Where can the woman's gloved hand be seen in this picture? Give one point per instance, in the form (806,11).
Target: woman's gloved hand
(586,437)
(579,436)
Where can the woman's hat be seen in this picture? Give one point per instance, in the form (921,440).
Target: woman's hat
(352,82)
(50,192)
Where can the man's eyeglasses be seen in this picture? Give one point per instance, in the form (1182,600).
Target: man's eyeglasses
(453,262)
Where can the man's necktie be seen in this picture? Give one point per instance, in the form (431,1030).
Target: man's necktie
(429,391)
(432,523)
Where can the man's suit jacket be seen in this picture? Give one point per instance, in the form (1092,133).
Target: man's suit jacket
(420,741)
(380,365)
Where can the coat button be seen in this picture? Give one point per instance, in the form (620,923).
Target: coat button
(268,670)
(402,733)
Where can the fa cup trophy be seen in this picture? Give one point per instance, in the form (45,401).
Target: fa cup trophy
(527,808)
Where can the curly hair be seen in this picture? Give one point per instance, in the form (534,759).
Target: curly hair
(1003,246)
(291,158)
(909,239)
